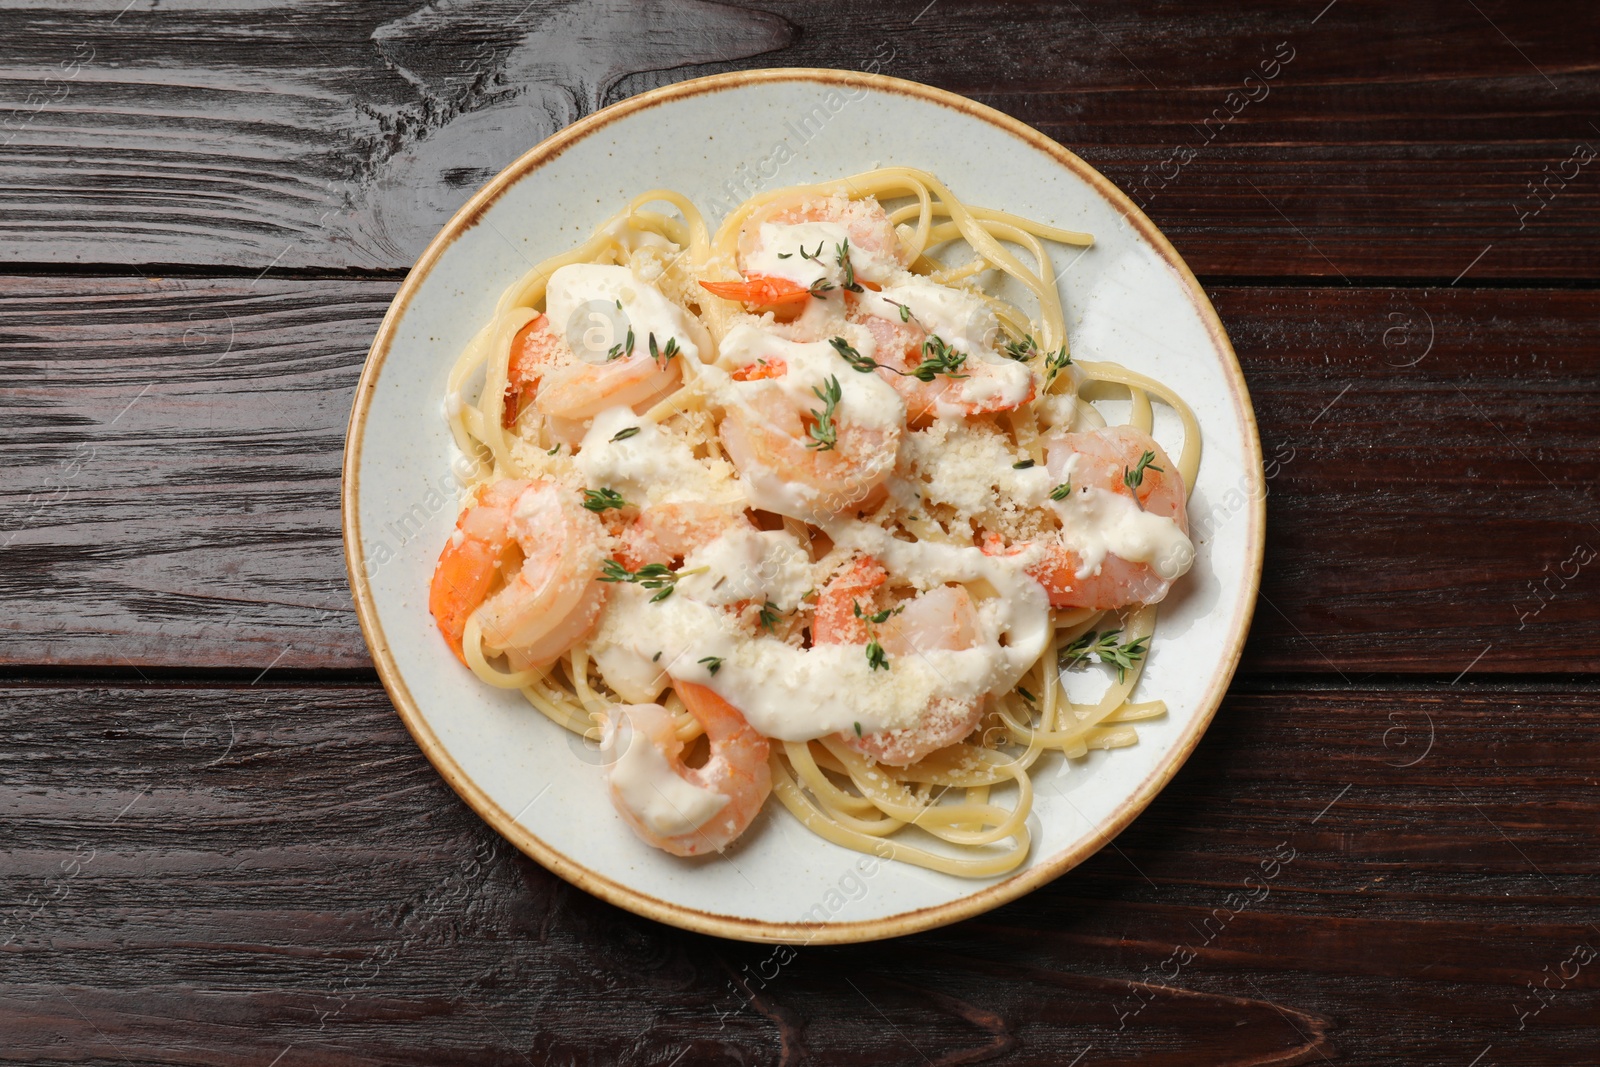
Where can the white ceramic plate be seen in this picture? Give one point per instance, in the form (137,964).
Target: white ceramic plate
(1129,299)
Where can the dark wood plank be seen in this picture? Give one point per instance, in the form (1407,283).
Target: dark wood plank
(1415,140)
(213,875)
(174,469)
(1433,458)
(171,491)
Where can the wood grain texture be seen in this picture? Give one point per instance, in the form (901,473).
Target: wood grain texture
(172,492)
(1377,140)
(215,875)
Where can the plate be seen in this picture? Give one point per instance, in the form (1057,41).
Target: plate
(1130,298)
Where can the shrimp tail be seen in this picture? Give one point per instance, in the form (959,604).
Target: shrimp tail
(759,290)
(460,582)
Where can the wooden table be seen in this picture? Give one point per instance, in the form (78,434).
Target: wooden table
(220,846)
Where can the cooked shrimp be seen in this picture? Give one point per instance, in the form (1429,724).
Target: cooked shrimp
(943,618)
(770,437)
(809,436)
(581,390)
(535,351)
(864,222)
(709,806)
(807,245)
(980,385)
(666,533)
(1105,459)
(547,549)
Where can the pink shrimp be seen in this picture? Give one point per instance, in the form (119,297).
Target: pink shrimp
(861,225)
(737,772)
(536,542)
(978,387)
(535,351)
(941,618)
(1104,458)
(666,533)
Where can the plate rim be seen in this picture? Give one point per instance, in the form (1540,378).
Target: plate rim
(628,897)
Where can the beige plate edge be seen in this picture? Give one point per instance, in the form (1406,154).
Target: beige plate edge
(690,918)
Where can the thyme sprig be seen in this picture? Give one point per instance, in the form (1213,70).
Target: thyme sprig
(625,349)
(877,659)
(664,355)
(598,500)
(824,432)
(1025,349)
(656,576)
(849,284)
(1055,363)
(938,358)
(877,617)
(1134,478)
(1102,647)
(864,364)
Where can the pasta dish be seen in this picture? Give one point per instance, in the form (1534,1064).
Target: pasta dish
(817,505)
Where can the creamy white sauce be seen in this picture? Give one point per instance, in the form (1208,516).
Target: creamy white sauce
(781,247)
(1096,523)
(652,790)
(795,694)
(581,302)
(748,564)
(651,466)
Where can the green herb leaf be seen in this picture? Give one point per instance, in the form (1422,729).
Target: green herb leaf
(769,616)
(1133,479)
(1025,695)
(876,617)
(858,729)
(824,433)
(1103,648)
(820,287)
(663,356)
(905,311)
(1022,350)
(875,657)
(553,451)
(651,576)
(625,433)
(864,364)
(938,358)
(598,500)
(785,255)
(713,663)
(1022,465)
(1060,492)
(1055,363)
(849,270)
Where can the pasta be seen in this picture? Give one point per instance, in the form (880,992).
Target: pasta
(860,505)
